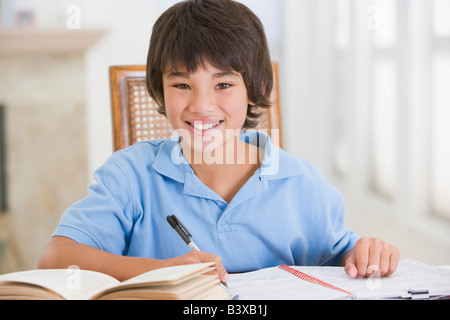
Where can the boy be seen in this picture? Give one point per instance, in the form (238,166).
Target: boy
(248,204)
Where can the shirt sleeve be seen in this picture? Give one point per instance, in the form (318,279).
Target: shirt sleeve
(339,239)
(104,218)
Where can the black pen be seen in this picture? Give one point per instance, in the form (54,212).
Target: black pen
(184,234)
(182,231)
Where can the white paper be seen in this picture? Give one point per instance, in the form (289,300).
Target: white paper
(276,284)
(73,284)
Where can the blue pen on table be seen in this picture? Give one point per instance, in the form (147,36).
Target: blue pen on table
(184,234)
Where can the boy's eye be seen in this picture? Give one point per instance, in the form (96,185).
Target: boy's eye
(223,86)
(182,86)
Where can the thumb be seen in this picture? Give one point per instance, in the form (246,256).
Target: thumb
(350,266)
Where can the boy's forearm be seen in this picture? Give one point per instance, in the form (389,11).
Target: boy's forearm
(62,253)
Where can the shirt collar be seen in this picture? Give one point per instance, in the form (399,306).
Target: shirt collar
(169,160)
(277,164)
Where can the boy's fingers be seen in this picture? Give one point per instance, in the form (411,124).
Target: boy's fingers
(223,274)
(393,261)
(370,256)
(375,252)
(362,256)
(385,261)
(202,257)
(350,266)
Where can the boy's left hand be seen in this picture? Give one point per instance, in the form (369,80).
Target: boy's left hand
(369,256)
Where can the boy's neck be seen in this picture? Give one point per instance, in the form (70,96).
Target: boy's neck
(234,154)
(227,177)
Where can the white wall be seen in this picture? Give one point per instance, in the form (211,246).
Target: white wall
(128,25)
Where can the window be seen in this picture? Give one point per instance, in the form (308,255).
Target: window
(375,62)
(440,110)
(382,133)
(342,38)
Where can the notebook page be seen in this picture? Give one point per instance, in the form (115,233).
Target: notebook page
(276,284)
(410,274)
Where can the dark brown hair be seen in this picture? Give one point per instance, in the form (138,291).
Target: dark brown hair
(224,33)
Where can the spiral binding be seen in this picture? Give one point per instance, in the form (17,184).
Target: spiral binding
(308,278)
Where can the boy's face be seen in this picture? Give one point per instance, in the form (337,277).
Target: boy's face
(203,106)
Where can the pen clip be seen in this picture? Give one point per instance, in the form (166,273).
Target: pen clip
(180,229)
(181,226)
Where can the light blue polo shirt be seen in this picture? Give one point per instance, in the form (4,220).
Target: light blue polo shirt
(286,213)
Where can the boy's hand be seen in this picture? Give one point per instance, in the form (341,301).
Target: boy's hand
(202,257)
(369,256)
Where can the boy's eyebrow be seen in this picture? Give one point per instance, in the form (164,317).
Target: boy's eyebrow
(185,75)
(177,74)
(225,74)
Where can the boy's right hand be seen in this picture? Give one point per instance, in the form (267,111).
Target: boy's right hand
(202,257)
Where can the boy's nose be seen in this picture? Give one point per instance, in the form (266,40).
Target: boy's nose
(202,102)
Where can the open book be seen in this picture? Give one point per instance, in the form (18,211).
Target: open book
(323,283)
(184,282)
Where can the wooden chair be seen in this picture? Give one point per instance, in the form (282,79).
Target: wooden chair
(135,117)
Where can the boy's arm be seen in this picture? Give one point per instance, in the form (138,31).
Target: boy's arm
(63,252)
(369,256)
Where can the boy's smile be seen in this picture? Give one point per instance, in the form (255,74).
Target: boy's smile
(207,107)
(203,127)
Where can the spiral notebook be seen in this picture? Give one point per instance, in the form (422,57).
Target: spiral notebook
(310,279)
(282,283)
(323,283)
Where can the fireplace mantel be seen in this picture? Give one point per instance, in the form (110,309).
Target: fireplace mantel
(47,41)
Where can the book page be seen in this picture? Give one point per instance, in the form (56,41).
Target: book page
(276,284)
(189,289)
(159,277)
(72,284)
(168,275)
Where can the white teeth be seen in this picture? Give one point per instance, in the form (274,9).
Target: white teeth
(205,127)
